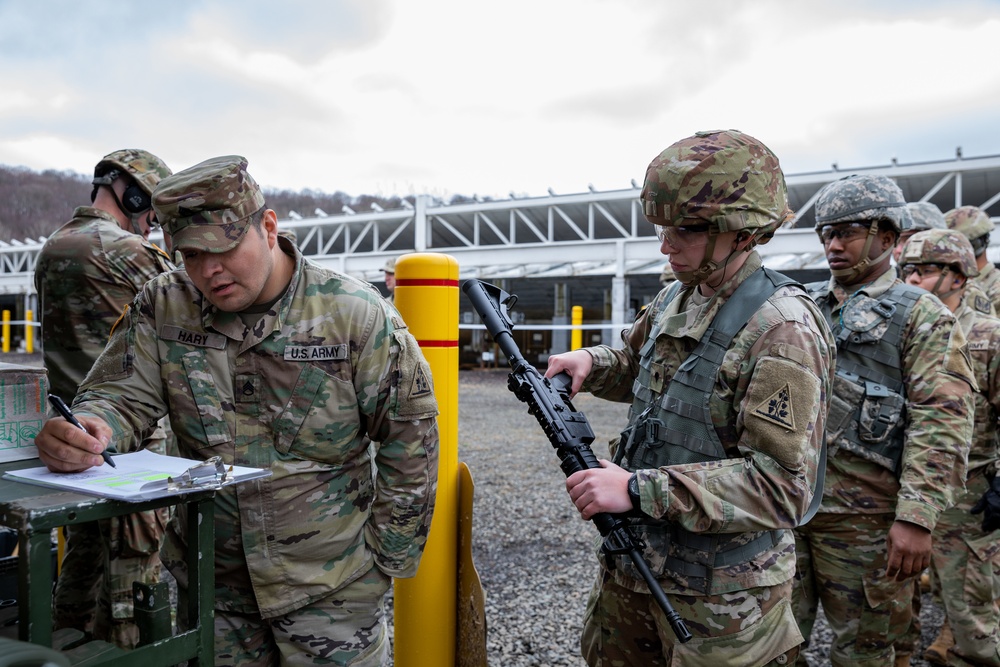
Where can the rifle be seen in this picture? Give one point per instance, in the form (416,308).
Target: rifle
(567,429)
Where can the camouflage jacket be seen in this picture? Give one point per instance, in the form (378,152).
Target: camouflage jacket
(326,381)
(937,421)
(785,347)
(988,281)
(983,335)
(86,273)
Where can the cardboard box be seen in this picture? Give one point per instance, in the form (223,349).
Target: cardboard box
(23,407)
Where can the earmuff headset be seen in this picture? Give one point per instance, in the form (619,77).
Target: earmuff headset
(134,199)
(133,202)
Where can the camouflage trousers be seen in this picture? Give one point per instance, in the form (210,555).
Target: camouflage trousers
(94,590)
(840,562)
(348,627)
(967,564)
(747,628)
(909,642)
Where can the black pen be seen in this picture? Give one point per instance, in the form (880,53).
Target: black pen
(63,410)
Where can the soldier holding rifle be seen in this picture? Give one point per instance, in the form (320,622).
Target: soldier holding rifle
(727,371)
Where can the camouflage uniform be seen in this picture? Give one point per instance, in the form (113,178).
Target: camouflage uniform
(965,559)
(86,273)
(766,413)
(976,225)
(893,456)
(923,216)
(326,389)
(926,216)
(988,282)
(389,269)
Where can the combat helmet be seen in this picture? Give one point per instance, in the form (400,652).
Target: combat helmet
(924,216)
(863,198)
(145,168)
(941,246)
(146,171)
(723,178)
(973,223)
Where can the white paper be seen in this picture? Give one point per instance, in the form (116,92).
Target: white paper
(139,476)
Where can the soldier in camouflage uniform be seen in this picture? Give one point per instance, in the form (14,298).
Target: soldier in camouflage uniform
(923,216)
(87,272)
(727,371)
(667,276)
(268,360)
(389,269)
(965,558)
(898,429)
(976,225)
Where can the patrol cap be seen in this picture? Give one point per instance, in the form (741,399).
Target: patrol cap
(925,216)
(969,220)
(862,197)
(208,206)
(390,265)
(941,246)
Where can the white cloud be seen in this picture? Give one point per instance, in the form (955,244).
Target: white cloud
(41,152)
(448,96)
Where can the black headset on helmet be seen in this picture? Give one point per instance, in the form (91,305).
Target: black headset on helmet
(134,199)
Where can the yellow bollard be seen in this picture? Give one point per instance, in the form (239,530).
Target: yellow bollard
(29,331)
(6,331)
(425,624)
(576,338)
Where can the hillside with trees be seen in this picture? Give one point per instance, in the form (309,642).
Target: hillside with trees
(35,204)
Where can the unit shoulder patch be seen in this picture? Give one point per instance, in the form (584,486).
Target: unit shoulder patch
(777,408)
(420,386)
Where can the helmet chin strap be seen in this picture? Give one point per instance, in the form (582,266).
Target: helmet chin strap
(709,266)
(704,270)
(937,286)
(863,265)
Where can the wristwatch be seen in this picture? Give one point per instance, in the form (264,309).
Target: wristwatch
(633,493)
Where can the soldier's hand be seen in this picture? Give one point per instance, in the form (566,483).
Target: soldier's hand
(989,506)
(909,548)
(63,447)
(600,490)
(577,364)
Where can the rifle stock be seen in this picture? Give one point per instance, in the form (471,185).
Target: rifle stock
(567,429)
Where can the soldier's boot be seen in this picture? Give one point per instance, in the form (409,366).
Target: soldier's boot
(937,652)
(902,660)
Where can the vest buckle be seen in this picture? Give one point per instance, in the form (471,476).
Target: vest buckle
(885,309)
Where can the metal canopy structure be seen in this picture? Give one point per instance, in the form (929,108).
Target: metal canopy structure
(593,233)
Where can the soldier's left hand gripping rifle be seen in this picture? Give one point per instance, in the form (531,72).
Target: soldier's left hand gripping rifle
(567,430)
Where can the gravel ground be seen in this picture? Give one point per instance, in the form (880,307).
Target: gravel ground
(534,554)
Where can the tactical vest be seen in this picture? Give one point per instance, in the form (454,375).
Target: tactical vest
(868,404)
(676,427)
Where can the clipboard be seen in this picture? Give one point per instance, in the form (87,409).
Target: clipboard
(143,475)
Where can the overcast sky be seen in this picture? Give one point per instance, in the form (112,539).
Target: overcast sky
(400,97)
